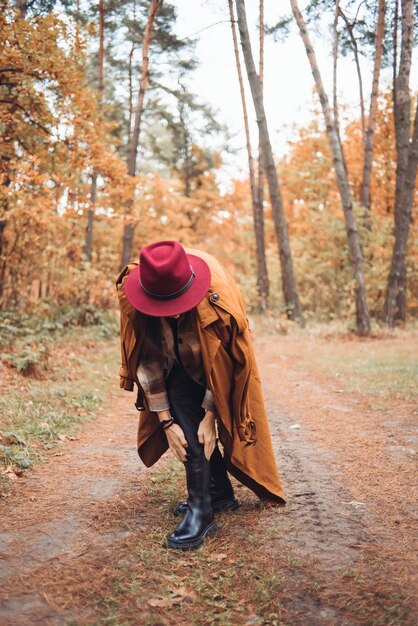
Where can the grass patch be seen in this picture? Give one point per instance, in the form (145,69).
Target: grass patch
(27,339)
(382,369)
(383,366)
(36,413)
(220,583)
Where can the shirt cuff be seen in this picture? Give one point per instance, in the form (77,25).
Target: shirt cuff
(208,402)
(157,402)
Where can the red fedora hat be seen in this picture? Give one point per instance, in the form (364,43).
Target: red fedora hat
(168,281)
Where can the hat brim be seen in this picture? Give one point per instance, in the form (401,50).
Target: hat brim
(155,307)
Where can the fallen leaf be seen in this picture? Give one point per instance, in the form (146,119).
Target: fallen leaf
(13,439)
(44,425)
(185,593)
(218,557)
(10,473)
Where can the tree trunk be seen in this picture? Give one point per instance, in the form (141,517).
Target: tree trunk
(335,62)
(395,52)
(129,229)
(143,86)
(128,236)
(290,292)
(21,6)
(257,214)
(3,224)
(263,279)
(186,151)
(88,245)
(187,172)
(131,95)
(355,254)
(101,46)
(371,122)
(358,69)
(406,167)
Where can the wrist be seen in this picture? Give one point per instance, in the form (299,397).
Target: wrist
(164,415)
(209,417)
(166,419)
(166,424)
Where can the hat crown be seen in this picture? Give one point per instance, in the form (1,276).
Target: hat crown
(164,268)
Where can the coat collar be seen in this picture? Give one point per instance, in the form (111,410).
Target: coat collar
(207,314)
(214,306)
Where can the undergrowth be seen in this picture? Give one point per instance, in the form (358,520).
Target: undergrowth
(56,365)
(27,338)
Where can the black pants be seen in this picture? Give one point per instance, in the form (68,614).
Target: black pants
(186,396)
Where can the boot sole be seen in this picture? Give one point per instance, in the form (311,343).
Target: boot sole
(192,545)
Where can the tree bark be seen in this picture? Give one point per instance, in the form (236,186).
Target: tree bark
(358,69)
(257,214)
(129,229)
(355,253)
(406,168)
(101,46)
(187,156)
(88,245)
(3,224)
(395,52)
(290,292)
(131,107)
(21,6)
(371,122)
(263,279)
(334,63)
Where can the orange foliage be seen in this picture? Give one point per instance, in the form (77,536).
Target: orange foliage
(54,134)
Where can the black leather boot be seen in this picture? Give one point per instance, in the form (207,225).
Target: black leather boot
(221,491)
(198,521)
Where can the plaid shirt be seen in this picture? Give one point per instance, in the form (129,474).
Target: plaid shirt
(152,374)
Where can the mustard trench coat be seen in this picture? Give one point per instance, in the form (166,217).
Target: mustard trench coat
(231,374)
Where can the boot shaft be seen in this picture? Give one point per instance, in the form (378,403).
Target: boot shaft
(198,485)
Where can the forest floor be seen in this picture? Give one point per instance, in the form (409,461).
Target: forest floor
(81,539)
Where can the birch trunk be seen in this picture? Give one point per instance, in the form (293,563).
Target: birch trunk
(406,168)
(88,245)
(290,293)
(358,69)
(257,217)
(263,279)
(355,253)
(129,228)
(131,93)
(371,122)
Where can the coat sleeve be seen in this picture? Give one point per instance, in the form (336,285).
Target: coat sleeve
(126,330)
(241,354)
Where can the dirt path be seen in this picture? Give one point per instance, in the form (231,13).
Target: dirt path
(81,535)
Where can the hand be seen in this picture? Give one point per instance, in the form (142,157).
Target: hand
(207,433)
(177,442)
